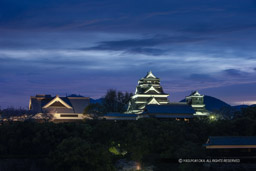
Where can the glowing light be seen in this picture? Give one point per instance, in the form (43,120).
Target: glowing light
(138,167)
(212,117)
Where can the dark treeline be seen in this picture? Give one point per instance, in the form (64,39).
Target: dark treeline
(11,111)
(85,146)
(113,101)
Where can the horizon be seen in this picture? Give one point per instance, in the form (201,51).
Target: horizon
(87,47)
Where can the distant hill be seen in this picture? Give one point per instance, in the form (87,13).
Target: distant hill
(239,107)
(75,95)
(93,101)
(212,103)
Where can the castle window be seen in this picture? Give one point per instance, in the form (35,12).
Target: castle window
(74,116)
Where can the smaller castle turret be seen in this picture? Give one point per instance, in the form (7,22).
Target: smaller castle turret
(196,100)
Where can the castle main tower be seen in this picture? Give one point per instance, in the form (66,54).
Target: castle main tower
(148,91)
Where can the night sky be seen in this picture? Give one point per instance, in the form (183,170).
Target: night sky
(87,47)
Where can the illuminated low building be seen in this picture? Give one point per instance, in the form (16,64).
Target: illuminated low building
(231,146)
(59,108)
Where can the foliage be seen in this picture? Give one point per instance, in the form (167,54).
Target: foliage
(116,101)
(249,112)
(113,101)
(116,149)
(8,112)
(78,154)
(87,145)
(94,108)
(226,112)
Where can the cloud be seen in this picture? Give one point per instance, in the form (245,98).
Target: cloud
(149,46)
(63,46)
(202,78)
(208,28)
(234,72)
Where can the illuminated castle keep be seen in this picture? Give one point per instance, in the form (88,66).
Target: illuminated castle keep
(148,91)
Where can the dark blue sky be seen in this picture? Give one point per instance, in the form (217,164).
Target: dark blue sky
(87,47)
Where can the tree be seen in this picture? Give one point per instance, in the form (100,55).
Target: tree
(8,112)
(249,112)
(113,101)
(116,101)
(94,109)
(78,154)
(226,112)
